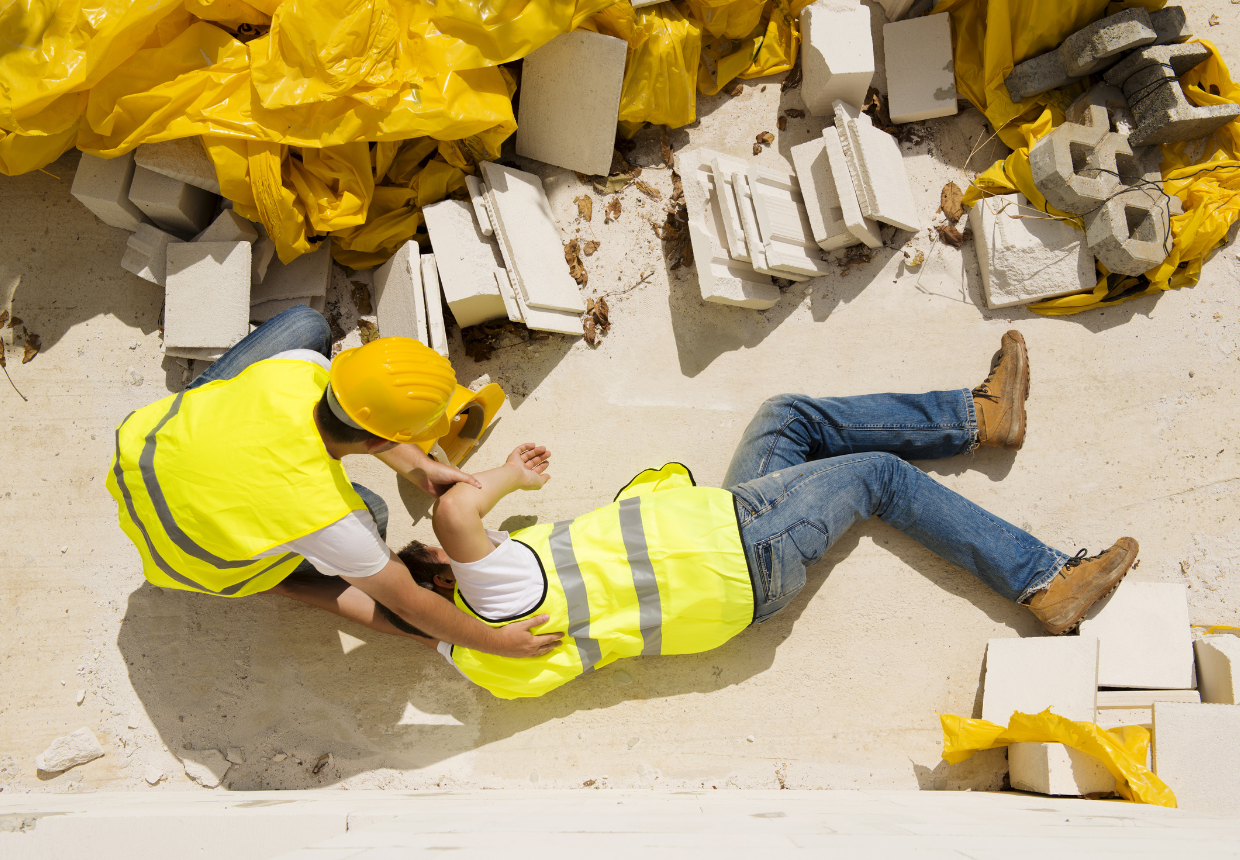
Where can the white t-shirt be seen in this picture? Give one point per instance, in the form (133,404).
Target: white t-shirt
(350,546)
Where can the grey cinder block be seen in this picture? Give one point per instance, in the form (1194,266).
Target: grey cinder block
(173,205)
(1171,25)
(1096,47)
(1149,79)
(1102,105)
(1038,75)
(1069,166)
(102,186)
(229,227)
(306,276)
(146,253)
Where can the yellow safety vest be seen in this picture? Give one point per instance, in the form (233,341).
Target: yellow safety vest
(661,570)
(207,479)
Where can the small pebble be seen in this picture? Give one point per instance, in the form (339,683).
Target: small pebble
(279,757)
(64,549)
(750,738)
(81,696)
(134,722)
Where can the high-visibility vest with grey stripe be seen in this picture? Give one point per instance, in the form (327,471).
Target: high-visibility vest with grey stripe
(208,479)
(661,570)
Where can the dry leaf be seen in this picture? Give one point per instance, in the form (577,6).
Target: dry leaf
(793,80)
(736,89)
(665,146)
(765,138)
(757,149)
(600,313)
(32,347)
(589,248)
(615,183)
(1214,22)
(589,306)
(583,179)
(585,206)
(4,316)
(646,189)
(795,113)
(876,107)
(368,330)
(950,235)
(612,212)
(575,268)
(588,330)
(781,123)
(361,297)
(950,202)
(321,763)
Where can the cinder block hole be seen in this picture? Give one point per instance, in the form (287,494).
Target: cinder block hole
(1141,224)
(1080,155)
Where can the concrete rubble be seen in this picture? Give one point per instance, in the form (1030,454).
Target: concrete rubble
(921,72)
(1218,668)
(184,160)
(305,278)
(822,198)
(1144,636)
(837,55)
(1164,115)
(783,224)
(466,260)
(877,168)
(436,333)
(205,767)
(1197,756)
(146,253)
(73,749)
(102,186)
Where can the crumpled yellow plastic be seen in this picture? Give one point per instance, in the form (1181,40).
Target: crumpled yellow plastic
(1123,751)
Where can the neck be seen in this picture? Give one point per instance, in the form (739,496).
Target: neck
(337,450)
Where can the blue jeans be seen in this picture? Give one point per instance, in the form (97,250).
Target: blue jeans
(299,327)
(808,469)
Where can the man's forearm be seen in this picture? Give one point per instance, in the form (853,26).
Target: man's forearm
(440,619)
(407,460)
(496,483)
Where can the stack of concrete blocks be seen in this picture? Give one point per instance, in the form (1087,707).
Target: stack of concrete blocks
(184,160)
(1117,708)
(436,331)
(146,253)
(776,232)
(570,99)
(1164,115)
(1029,676)
(1197,754)
(301,282)
(723,276)
(467,262)
(837,54)
(102,186)
(172,205)
(400,299)
(1025,255)
(831,201)
(207,298)
(921,72)
(876,166)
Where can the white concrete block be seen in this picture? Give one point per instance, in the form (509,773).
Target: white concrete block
(1025,258)
(1145,635)
(307,275)
(1218,668)
(172,205)
(205,767)
(466,261)
(722,167)
(263,252)
(184,160)
(1057,769)
(1113,718)
(837,57)
(436,331)
(1031,675)
(896,9)
(102,186)
(570,99)
(921,73)
(637,4)
(877,167)
(73,749)
(229,227)
(529,239)
(753,233)
(400,306)
(478,197)
(783,221)
(207,299)
(822,200)
(196,353)
(263,311)
(146,253)
(1197,755)
(542,319)
(865,229)
(508,293)
(1121,699)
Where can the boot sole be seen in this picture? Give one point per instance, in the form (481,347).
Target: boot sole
(1019,441)
(1075,622)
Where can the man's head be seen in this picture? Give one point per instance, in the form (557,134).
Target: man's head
(337,433)
(429,567)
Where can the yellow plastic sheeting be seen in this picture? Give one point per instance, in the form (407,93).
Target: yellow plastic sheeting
(769,47)
(1123,751)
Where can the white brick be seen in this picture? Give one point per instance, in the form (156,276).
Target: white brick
(784,223)
(173,205)
(1218,668)
(1145,636)
(207,300)
(570,98)
(753,233)
(1027,259)
(1197,755)
(400,306)
(877,168)
(263,253)
(146,253)
(921,74)
(229,227)
(436,332)
(529,239)
(1121,699)
(822,200)
(1057,769)
(865,229)
(308,275)
(721,279)
(102,186)
(1031,675)
(466,261)
(184,160)
(264,311)
(478,197)
(837,57)
(722,167)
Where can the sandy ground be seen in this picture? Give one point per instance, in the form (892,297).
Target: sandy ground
(1133,430)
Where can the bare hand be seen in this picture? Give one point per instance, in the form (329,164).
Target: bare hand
(518,641)
(436,478)
(529,462)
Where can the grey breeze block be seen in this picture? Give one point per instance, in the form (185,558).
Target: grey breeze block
(207,300)
(173,205)
(102,186)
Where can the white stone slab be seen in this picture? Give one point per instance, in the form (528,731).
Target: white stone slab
(478,197)
(172,205)
(530,240)
(921,73)
(1025,258)
(307,275)
(229,227)
(1031,675)
(723,166)
(508,293)
(541,319)
(184,160)
(436,331)
(753,233)
(146,253)
(1145,636)
(102,186)
(400,305)
(865,229)
(1057,769)
(837,57)
(207,299)
(783,221)
(73,749)
(570,99)
(877,168)
(822,200)
(1218,668)
(466,261)
(1196,754)
(262,312)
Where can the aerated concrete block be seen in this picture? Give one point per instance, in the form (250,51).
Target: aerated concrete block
(229,227)
(1031,675)
(921,73)
(783,221)
(1149,78)
(896,9)
(171,204)
(837,57)
(1144,635)
(102,186)
(398,295)
(1196,754)
(1038,75)
(478,197)
(1171,25)
(877,168)
(822,199)
(466,261)
(184,160)
(570,98)
(753,233)
(146,253)
(263,252)
(1113,718)
(1218,669)
(207,299)
(542,319)
(436,332)
(1057,769)
(865,229)
(508,292)
(262,312)
(1114,700)
(723,166)
(1098,46)
(308,275)
(1027,258)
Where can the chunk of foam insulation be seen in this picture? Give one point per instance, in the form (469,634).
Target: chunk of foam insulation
(436,332)
(466,261)
(1145,635)
(1218,668)
(1057,769)
(877,168)
(308,275)
(837,56)
(1031,675)
(1197,756)
(921,74)
(753,233)
(146,253)
(207,299)
(865,229)
(400,304)
(783,221)
(822,200)
(102,186)
(184,160)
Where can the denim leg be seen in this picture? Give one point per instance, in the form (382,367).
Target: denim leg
(378,510)
(299,327)
(790,517)
(791,429)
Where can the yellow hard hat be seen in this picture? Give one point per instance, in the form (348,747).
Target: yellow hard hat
(393,387)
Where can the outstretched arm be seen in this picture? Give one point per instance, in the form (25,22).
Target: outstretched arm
(418,467)
(458,513)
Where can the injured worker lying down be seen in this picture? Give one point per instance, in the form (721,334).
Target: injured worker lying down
(672,568)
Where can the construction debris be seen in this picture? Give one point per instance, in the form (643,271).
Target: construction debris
(1196,755)
(181,209)
(877,168)
(1057,769)
(822,198)
(921,74)
(466,260)
(205,767)
(400,303)
(305,278)
(837,54)
(73,749)
(1144,637)
(102,186)
(184,160)
(207,299)
(1164,115)
(436,333)
(146,253)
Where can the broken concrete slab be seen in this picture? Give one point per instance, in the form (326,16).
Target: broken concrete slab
(1144,635)
(229,227)
(478,197)
(1031,675)
(263,311)
(1126,699)
(508,292)
(172,205)
(783,222)
(543,319)
(466,261)
(205,767)
(570,98)
(436,332)
(837,57)
(1026,256)
(184,160)
(1149,78)
(1098,46)
(398,295)
(921,72)
(1196,755)
(146,253)
(102,186)
(1218,668)
(822,199)
(1171,25)
(207,299)
(263,252)
(877,168)
(865,229)
(307,275)
(73,749)
(1038,75)
(753,233)
(1057,769)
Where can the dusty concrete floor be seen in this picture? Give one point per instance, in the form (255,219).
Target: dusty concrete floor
(1133,431)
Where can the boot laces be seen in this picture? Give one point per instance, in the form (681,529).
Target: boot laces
(983,390)
(1079,559)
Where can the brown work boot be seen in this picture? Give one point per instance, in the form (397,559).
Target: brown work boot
(999,401)
(1080,584)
